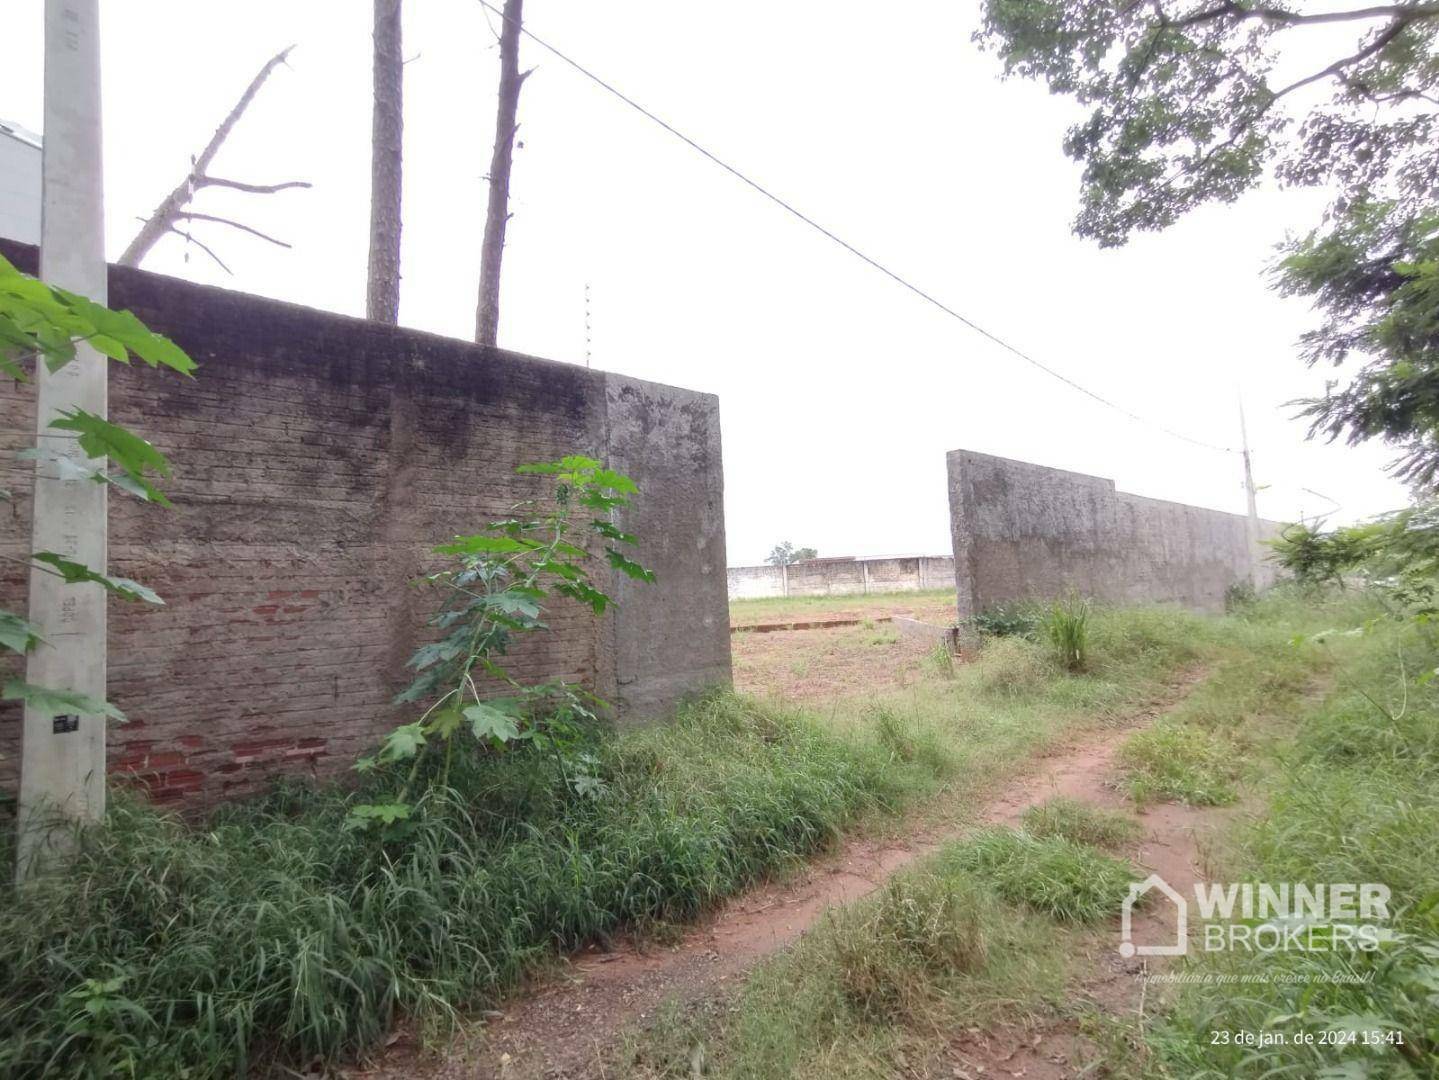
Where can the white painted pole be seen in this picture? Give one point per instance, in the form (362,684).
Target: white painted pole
(62,777)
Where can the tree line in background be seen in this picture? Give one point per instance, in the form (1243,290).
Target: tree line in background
(786,554)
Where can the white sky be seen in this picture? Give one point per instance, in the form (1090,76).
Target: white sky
(839,391)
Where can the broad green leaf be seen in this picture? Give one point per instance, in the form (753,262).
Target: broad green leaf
(486,545)
(610,532)
(74,573)
(404,742)
(367,814)
(67,468)
(444,722)
(628,566)
(101,439)
(488,722)
(17,634)
(51,702)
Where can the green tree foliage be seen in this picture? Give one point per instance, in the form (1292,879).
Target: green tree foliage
(43,324)
(496,590)
(1396,556)
(1190,102)
(786,554)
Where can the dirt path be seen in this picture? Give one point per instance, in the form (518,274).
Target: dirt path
(564,1027)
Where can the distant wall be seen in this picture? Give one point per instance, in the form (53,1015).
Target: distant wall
(842,577)
(1023,530)
(317,460)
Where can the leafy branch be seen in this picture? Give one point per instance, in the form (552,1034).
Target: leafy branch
(42,323)
(497,590)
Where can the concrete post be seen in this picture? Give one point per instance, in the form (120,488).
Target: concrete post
(1252,521)
(62,778)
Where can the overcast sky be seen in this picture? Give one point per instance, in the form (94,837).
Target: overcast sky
(839,391)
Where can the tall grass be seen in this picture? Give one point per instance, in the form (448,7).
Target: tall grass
(1354,797)
(1067,627)
(272,931)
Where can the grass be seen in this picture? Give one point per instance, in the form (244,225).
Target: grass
(938,603)
(1051,875)
(1353,792)
(274,932)
(1352,796)
(1177,762)
(1080,823)
(936,949)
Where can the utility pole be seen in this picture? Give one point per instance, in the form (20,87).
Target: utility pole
(1252,523)
(62,767)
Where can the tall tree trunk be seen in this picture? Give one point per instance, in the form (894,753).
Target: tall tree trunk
(497,216)
(382,293)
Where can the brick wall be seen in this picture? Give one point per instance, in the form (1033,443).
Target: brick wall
(317,459)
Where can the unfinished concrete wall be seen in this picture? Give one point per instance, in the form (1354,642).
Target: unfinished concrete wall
(1027,531)
(842,577)
(317,460)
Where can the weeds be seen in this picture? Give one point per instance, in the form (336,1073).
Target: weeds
(1179,762)
(1020,619)
(1080,823)
(1355,799)
(1053,876)
(1067,628)
(274,930)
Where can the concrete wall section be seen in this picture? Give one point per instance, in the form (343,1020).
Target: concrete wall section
(1028,531)
(317,461)
(671,636)
(842,577)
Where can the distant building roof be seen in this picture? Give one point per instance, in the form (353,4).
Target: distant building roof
(24,134)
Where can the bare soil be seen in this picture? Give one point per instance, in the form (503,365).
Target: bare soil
(565,1026)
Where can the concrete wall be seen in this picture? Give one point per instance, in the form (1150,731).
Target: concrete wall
(1027,531)
(317,460)
(19,184)
(842,577)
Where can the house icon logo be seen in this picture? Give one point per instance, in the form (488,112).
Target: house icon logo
(1127,947)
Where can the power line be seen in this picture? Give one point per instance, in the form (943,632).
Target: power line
(874,263)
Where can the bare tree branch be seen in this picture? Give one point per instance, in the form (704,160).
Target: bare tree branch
(1231,8)
(168,212)
(202,247)
(192,216)
(257,189)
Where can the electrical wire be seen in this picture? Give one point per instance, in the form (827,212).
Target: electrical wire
(874,263)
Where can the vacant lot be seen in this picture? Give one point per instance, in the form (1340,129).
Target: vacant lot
(832,664)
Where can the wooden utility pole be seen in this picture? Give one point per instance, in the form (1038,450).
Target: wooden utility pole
(62,765)
(497,215)
(1252,521)
(387,127)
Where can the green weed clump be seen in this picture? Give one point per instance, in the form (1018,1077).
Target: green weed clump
(1067,628)
(1057,877)
(1022,619)
(1178,762)
(920,927)
(1080,823)
(1012,666)
(274,932)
